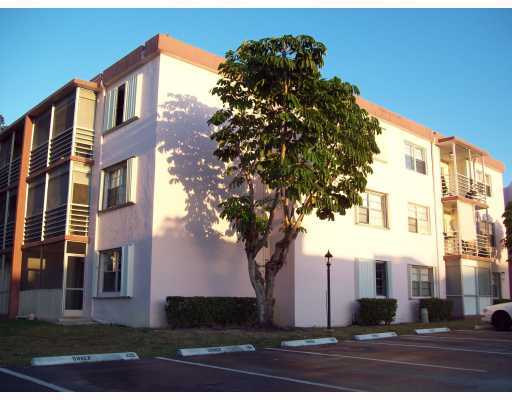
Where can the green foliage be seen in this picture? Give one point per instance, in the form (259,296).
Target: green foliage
(192,312)
(501,301)
(375,311)
(283,125)
(438,309)
(2,123)
(507,221)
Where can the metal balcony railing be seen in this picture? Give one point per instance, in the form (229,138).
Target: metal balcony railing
(84,142)
(60,146)
(465,187)
(9,235)
(55,221)
(78,220)
(14,176)
(38,158)
(454,245)
(33,228)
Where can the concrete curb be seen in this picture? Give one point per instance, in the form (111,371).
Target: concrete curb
(82,358)
(201,351)
(431,330)
(309,342)
(372,336)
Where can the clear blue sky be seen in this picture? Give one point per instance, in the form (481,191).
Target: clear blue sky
(448,69)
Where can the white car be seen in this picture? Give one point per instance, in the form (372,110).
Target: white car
(500,315)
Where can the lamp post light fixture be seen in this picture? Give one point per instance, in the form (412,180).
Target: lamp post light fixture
(328,257)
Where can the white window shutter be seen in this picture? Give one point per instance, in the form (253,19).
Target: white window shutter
(138,96)
(127,271)
(109,115)
(102,185)
(365,278)
(132,93)
(131,174)
(95,272)
(389,276)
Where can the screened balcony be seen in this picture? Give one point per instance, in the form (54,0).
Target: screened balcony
(463,172)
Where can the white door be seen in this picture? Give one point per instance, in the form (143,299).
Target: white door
(469,290)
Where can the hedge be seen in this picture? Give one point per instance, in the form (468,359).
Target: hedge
(193,312)
(500,301)
(375,311)
(438,309)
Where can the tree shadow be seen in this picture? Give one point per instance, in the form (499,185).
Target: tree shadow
(185,140)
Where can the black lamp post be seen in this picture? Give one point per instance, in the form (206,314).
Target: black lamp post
(328,257)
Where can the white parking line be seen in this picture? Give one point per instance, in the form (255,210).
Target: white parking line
(427,337)
(379,360)
(34,380)
(281,378)
(434,347)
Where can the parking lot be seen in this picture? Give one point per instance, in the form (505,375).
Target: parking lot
(454,361)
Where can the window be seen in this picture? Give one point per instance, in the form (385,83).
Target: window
(114,273)
(63,116)
(373,210)
(118,184)
(415,158)
(122,103)
(81,185)
(41,130)
(110,270)
(496,285)
(57,188)
(5,152)
(418,219)
(372,278)
(381,279)
(114,192)
(422,281)
(35,197)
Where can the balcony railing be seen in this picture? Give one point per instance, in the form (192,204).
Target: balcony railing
(79,220)
(55,221)
(61,146)
(15,171)
(33,228)
(9,235)
(481,247)
(84,141)
(464,187)
(4,176)
(38,158)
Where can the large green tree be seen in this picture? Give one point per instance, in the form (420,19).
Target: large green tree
(507,221)
(294,142)
(2,123)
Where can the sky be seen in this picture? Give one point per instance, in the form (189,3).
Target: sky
(449,69)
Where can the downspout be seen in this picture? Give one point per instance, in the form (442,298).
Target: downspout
(436,199)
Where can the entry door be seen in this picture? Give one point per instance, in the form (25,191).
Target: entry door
(74,291)
(469,290)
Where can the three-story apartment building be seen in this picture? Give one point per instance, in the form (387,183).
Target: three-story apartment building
(112,188)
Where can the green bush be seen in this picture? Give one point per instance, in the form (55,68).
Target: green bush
(375,311)
(193,312)
(438,309)
(500,301)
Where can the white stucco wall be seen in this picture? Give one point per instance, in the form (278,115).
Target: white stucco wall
(348,241)
(191,253)
(131,224)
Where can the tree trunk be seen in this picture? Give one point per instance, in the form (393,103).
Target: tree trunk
(264,285)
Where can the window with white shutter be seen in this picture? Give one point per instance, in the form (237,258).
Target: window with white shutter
(122,102)
(113,273)
(118,185)
(372,279)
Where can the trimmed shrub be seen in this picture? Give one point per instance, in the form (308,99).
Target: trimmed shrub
(500,301)
(375,311)
(438,309)
(193,312)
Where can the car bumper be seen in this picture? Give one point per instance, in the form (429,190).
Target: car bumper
(487,316)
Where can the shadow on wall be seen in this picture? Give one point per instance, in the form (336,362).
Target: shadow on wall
(184,137)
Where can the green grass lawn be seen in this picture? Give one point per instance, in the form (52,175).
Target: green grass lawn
(21,340)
